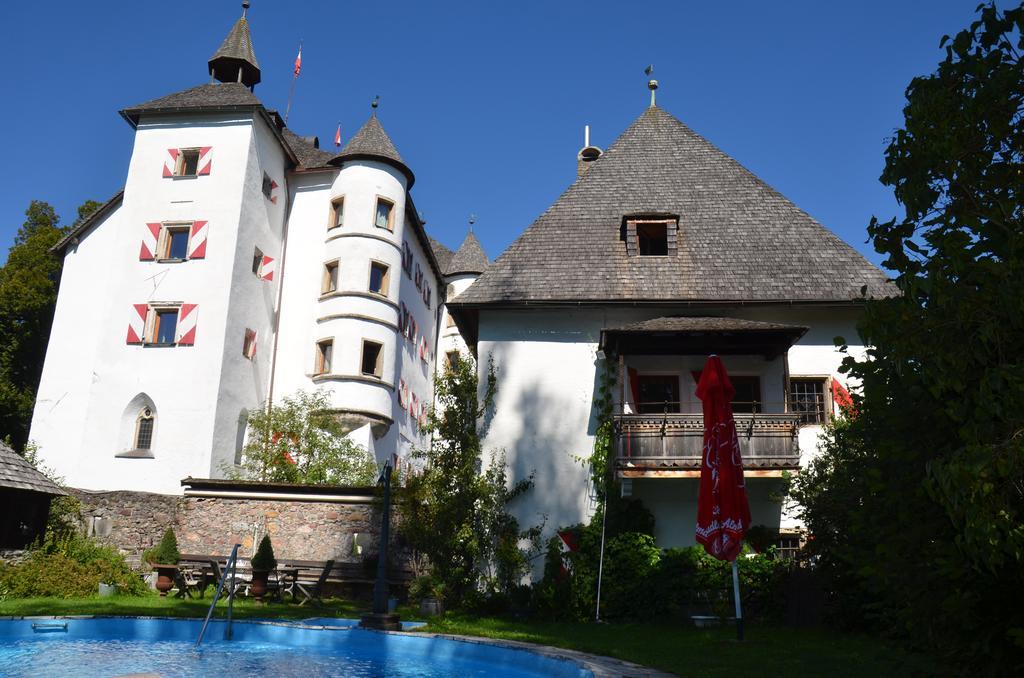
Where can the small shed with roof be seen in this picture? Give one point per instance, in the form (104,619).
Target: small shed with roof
(25,496)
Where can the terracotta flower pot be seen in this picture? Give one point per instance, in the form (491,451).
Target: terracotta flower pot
(165,578)
(258,586)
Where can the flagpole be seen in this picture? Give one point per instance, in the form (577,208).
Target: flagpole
(291,90)
(736,596)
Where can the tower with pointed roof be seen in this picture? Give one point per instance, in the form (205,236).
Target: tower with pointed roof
(461,269)
(235,60)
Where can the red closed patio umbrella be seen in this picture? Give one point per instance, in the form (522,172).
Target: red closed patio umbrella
(723,511)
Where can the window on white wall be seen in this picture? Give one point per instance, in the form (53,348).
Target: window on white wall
(257,260)
(324,354)
(379,278)
(268,186)
(807,399)
(384,214)
(372,362)
(174,241)
(249,344)
(337,213)
(330,280)
(144,426)
(163,324)
(187,163)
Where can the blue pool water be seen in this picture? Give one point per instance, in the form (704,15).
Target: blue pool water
(165,647)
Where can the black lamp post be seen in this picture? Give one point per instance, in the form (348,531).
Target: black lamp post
(380,618)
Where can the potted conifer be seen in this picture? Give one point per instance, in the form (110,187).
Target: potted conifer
(164,559)
(263,562)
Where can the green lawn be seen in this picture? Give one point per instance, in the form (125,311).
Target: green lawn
(692,652)
(687,651)
(156,606)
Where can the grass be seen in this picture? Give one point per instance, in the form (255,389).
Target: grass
(685,650)
(689,651)
(155,606)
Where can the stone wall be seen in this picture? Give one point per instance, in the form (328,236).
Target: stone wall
(299,530)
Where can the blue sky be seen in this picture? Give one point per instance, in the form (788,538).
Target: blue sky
(486,101)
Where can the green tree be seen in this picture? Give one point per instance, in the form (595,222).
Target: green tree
(917,504)
(28,294)
(456,511)
(300,440)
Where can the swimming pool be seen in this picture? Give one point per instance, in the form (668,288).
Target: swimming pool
(117,646)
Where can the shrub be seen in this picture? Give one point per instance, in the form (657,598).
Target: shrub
(60,575)
(166,552)
(264,558)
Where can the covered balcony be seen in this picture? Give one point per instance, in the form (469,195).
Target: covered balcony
(658,420)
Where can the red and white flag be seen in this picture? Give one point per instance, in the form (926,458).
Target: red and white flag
(298,61)
(337,136)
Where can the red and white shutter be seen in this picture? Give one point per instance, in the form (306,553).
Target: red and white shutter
(267,268)
(137,323)
(205,160)
(150,237)
(273,192)
(197,240)
(169,166)
(186,330)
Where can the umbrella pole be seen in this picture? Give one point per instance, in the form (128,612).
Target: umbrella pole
(736,597)
(600,564)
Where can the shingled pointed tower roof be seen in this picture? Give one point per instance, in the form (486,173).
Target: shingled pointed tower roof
(234,60)
(469,258)
(373,143)
(739,240)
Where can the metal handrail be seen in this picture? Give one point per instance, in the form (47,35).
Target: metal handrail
(229,567)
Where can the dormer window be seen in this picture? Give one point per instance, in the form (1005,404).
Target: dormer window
(653,236)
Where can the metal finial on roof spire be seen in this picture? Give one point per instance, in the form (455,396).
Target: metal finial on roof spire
(652,84)
(472,220)
(245,7)
(376,102)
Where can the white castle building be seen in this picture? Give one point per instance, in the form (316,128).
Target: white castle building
(242,263)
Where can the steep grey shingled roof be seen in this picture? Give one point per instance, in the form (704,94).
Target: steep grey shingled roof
(308,151)
(441,253)
(214,95)
(739,239)
(17,473)
(469,258)
(372,142)
(235,51)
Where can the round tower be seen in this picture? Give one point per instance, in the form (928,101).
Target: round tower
(364,299)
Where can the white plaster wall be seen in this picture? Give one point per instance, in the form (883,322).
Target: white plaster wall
(62,401)
(183,382)
(244,383)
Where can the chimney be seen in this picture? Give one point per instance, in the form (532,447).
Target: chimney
(587,154)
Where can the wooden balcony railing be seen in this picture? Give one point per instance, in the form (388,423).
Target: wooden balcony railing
(660,441)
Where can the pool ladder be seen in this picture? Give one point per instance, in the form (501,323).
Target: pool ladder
(229,569)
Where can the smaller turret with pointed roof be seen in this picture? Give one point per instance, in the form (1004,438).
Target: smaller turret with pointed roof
(469,258)
(234,60)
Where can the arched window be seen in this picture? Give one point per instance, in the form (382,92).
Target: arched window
(137,435)
(144,429)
